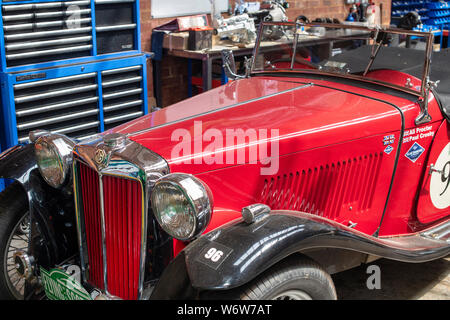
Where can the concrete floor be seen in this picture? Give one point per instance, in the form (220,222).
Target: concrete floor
(401,281)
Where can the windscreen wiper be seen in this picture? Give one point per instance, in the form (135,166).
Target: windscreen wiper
(374,52)
(381,38)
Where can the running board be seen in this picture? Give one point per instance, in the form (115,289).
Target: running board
(441,232)
(426,241)
(248,247)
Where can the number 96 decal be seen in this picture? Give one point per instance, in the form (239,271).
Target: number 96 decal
(440,180)
(214,254)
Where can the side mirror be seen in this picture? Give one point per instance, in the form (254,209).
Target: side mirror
(229,64)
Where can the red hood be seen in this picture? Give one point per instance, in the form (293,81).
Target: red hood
(306,116)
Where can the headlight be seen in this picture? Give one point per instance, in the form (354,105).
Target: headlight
(54,158)
(182,204)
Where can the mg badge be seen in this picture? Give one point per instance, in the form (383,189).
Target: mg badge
(100,156)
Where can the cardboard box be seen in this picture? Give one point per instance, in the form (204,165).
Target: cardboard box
(176,40)
(200,39)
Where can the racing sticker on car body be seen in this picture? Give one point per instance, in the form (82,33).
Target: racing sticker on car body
(440,180)
(414,152)
(387,140)
(388,149)
(416,134)
(214,254)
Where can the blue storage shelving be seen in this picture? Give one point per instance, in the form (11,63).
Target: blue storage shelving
(438,13)
(432,13)
(78,100)
(400,8)
(49,33)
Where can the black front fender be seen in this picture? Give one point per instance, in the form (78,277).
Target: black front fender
(245,251)
(17,163)
(52,216)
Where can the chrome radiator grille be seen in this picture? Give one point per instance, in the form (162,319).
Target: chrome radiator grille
(114,204)
(113,177)
(47,31)
(67,105)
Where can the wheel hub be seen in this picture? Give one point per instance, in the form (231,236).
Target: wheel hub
(23,264)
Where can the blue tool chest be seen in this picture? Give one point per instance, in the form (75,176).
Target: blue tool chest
(36,34)
(73,67)
(77,100)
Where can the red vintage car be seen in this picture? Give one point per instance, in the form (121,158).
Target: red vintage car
(331,151)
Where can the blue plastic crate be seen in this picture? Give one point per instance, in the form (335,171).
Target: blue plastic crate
(438,5)
(48,33)
(427,28)
(438,13)
(77,100)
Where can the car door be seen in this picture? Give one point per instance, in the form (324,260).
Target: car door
(434,196)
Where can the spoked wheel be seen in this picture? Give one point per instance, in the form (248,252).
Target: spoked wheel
(18,241)
(14,237)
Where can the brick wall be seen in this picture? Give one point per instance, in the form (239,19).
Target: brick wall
(174,72)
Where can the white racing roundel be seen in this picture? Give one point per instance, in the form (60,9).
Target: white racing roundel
(440,181)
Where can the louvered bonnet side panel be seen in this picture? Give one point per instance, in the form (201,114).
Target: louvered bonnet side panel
(326,190)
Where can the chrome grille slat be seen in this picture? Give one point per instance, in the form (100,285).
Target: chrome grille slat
(62,29)
(53,94)
(47,24)
(67,105)
(38,44)
(66,130)
(45,5)
(123,117)
(113,83)
(78,128)
(121,70)
(124,105)
(112,1)
(47,52)
(53,107)
(43,15)
(120,94)
(116,27)
(71,116)
(43,34)
(85,137)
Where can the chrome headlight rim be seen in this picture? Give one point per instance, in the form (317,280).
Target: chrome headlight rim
(61,146)
(197,194)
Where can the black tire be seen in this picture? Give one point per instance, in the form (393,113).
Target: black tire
(293,278)
(13,208)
